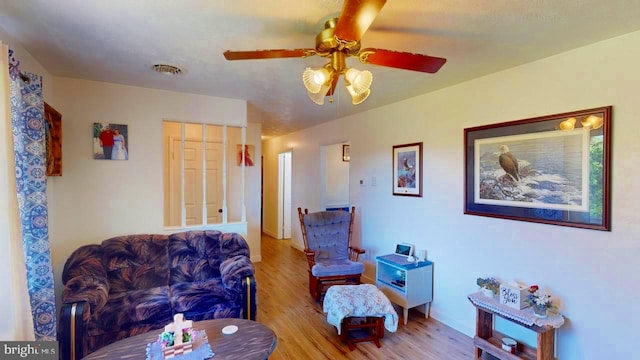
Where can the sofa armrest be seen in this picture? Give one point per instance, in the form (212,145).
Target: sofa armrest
(94,290)
(233,270)
(238,277)
(72,330)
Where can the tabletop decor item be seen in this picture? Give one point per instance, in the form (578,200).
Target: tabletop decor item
(552,169)
(514,294)
(489,286)
(540,301)
(177,337)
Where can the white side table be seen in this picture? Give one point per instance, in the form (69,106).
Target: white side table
(405,283)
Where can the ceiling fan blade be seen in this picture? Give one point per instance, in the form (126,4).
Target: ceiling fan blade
(268,54)
(356,17)
(401,60)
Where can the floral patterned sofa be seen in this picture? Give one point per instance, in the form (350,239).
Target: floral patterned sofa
(132,284)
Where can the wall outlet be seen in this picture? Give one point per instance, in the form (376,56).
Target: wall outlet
(373,181)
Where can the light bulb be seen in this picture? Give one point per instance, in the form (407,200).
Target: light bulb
(313,79)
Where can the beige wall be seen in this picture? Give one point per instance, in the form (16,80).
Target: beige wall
(97,199)
(592,273)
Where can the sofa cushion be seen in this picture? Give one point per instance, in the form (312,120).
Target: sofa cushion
(194,256)
(136,262)
(131,309)
(204,300)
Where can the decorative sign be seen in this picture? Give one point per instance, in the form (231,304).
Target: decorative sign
(513,296)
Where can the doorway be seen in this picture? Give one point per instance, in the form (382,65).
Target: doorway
(284,195)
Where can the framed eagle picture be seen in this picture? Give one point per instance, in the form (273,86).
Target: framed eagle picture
(407,169)
(552,169)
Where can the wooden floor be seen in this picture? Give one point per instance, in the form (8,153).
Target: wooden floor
(284,305)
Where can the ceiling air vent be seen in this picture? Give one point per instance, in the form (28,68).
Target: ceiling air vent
(167,69)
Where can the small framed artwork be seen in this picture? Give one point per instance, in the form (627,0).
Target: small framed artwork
(407,169)
(346,155)
(552,169)
(247,154)
(110,141)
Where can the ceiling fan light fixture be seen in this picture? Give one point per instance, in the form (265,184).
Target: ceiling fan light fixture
(592,122)
(314,79)
(568,124)
(318,97)
(358,98)
(360,81)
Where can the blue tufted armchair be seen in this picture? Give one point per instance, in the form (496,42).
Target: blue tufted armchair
(327,244)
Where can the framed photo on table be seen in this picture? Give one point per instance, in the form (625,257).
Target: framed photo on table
(407,169)
(552,169)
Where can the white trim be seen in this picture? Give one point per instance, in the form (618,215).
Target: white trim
(237,227)
(243,171)
(224,174)
(270,233)
(204,175)
(183,208)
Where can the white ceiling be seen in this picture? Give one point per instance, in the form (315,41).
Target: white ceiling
(118,40)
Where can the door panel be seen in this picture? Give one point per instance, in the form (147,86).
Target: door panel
(214,155)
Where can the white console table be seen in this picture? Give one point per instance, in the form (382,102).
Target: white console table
(407,284)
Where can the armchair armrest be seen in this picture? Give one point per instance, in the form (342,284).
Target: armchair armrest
(238,277)
(355,252)
(311,257)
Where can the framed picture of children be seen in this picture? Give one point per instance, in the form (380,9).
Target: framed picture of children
(110,141)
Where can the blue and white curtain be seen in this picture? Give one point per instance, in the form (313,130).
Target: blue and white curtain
(28,126)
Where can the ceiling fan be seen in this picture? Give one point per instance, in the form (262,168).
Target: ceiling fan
(339,40)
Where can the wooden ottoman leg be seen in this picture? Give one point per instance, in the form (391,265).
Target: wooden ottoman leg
(380,327)
(344,331)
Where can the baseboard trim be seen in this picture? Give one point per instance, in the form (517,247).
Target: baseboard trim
(296,246)
(270,233)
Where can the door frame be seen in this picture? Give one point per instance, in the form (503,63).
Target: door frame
(283,214)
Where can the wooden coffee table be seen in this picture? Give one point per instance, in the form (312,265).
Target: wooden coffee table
(252,341)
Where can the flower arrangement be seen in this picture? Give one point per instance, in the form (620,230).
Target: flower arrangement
(539,301)
(490,283)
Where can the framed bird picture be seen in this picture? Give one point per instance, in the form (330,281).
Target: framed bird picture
(552,169)
(407,169)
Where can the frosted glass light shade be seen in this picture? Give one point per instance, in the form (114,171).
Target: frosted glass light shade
(314,79)
(358,98)
(360,81)
(592,122)
(318,97)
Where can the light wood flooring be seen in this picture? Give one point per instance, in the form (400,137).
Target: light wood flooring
(284,305)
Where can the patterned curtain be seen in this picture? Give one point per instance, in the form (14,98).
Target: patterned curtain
(28,125)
